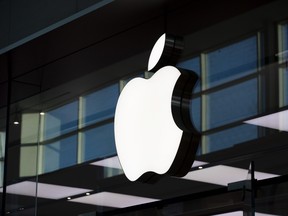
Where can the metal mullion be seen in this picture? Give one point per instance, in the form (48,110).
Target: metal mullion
(260,80)
(204,103)
(80,147)
(280,61)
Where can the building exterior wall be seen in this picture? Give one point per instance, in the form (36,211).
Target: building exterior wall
(61,85)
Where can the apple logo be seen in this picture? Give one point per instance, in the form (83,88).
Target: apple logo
(154,134)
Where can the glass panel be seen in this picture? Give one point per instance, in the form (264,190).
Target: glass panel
(60,154)
(231,62)
(61,120)
(195,112)
(228,138)
(97,107)
(29,128)
(231,104)
(99,142)
(194,65)
(98,186)
(195,105)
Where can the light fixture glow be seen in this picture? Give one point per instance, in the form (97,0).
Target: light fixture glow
(241,213)
(228,175)
(114,200)
(16,123)
(42,113)
(112,162)
(275,121)
(199,163)
(48,191)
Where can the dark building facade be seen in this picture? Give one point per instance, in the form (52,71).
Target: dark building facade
(63,65)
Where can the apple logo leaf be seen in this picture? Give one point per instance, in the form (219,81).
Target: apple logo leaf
(154,134)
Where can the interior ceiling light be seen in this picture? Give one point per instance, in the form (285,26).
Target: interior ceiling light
(282,54)
(275,121)
(113,162)
(228,175)
(241,213)
(48,191)
(114,200)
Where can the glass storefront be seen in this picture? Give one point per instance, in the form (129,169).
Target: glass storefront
(59,90)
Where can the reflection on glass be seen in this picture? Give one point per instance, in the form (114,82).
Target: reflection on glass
(193,65)
(29,128)
(100,105)
(60,154)
(228,138)
(99,142)
(28,160)
(231,62)
(195,112)
(232,104)
(61,120)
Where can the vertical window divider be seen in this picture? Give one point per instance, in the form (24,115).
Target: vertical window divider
(121,85)
(204,102)
(280,60)
(80,147)
(40,146)
(260,78)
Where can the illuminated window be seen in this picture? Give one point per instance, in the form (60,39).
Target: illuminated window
(60,154)
(231,62)
(98,142)
(227,93)
(99,105)
(61,120)
(76,132)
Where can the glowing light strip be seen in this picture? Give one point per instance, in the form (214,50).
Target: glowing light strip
(275,121)
(113,162)
(48,191)
(241,213)
(223,175)
(114,200)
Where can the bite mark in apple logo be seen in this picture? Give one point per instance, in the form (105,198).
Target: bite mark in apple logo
(154,134)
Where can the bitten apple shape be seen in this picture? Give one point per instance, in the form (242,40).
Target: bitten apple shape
(154,134)
(148,138)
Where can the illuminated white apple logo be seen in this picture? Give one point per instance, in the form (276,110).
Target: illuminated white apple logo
(153,131)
